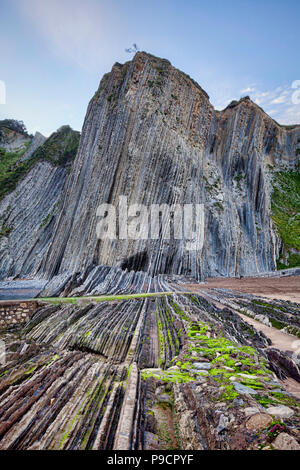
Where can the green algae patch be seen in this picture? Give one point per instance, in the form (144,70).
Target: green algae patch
(173,376)
(102,298)
(227,360)
(276,398)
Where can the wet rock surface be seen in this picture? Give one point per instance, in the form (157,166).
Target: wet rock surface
(121,374)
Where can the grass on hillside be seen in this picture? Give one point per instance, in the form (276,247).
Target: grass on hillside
(60,148)
(286,213)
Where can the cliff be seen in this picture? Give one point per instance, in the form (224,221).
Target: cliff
(151,134)
(31,185)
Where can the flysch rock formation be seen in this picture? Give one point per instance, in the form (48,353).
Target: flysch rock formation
(36,142)
(175,370)
(13,139)
(167,372)
(152,135)
(29,211)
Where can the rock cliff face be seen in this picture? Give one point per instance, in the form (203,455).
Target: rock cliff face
(31,202)
(152,135)
(13,135)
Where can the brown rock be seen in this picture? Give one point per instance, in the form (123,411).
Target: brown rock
(285,442)
(259,421)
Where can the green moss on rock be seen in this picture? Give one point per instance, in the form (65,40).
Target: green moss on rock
(59,149)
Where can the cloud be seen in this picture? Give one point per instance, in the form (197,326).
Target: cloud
(285,110)
(73,29)
(277,102)
(248,90)
(280,99)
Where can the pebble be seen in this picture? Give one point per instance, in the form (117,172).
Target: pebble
(223,424)
(238,402)
(248,376)
(197,371)
(250,411)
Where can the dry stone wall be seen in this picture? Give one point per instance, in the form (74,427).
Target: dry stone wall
(16,313)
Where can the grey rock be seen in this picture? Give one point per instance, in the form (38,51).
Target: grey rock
(202,365)
(223,423)
(141,142)
(249,411)
(238,402)
(36,142)
(197,371)
(263,319)
(281,411)
(240,388)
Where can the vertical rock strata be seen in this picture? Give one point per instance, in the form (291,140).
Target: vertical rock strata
(152,135)
(168,372)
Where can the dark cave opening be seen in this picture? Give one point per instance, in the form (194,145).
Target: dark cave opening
(136,262)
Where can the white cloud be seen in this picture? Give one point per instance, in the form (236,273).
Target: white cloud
(277,102)
(280,99)
(248,90)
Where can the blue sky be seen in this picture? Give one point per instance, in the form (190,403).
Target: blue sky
(54,52)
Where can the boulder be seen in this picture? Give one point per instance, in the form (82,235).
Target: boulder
(285,442)
(240,388)
(259,421)
(280,411)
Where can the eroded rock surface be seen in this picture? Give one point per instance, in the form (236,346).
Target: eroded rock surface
(152,135)
(121,374)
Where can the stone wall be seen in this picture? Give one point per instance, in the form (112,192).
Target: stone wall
(13,313)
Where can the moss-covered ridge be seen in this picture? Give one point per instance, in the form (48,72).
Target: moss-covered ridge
(230,370)
(206,344)
(286,216)
(59,149)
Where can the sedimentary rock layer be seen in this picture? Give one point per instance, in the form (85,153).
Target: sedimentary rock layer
(32,191)
(152,135)
(167,372)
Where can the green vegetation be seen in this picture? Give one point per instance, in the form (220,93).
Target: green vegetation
(219,206)
(277,398)
(238,179)
(227,360)
(13,125)
(272,306)
(60,149)
(50,216)
(5,231)
(8,159)
(286,214)
(102,298)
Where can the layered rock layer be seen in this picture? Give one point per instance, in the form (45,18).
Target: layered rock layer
(152,135)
